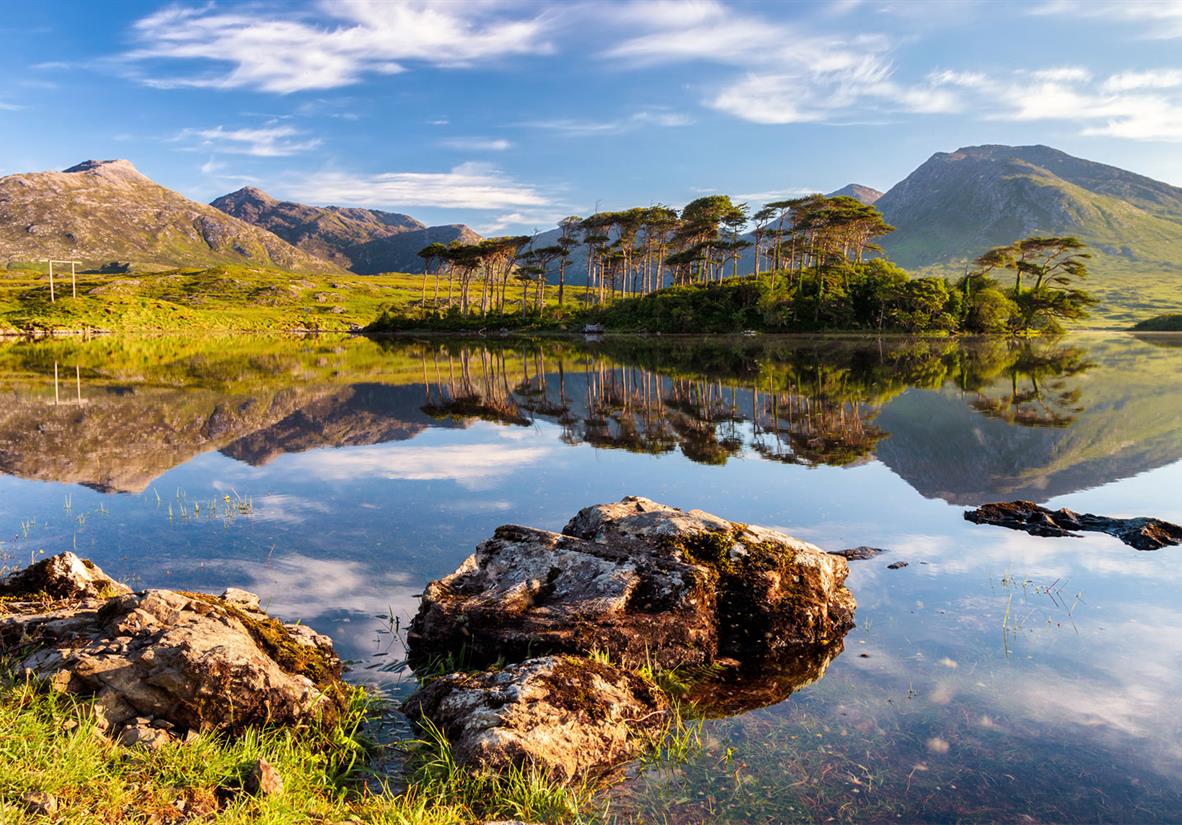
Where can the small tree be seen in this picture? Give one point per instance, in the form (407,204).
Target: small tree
(1051,268)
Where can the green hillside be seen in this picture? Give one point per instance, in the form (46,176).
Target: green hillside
(957,205)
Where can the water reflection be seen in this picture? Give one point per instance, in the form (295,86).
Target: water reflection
(961,421)
(998,676)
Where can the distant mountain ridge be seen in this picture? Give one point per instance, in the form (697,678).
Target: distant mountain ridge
(366,241)
(858,192)
(104,210)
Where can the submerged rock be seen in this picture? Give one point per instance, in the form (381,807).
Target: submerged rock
(1141,533)
(166,661)
(859,553)
(644,583)
(568,716)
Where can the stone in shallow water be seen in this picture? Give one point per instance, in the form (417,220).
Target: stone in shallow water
(566,715)
(1141,533)
(642,582)
(860,553)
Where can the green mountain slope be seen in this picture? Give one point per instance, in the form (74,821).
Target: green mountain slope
(102,211)
(958,204)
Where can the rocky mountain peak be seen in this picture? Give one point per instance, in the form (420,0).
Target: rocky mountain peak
(106,168)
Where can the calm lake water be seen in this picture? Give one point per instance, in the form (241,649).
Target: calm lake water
(998,676)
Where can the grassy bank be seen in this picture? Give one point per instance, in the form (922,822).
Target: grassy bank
(229,298)
(49,746)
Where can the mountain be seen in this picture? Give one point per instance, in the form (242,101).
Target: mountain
(858,192)
(959,204)
(331,232)
(366,241)
(400,253)
(105,210)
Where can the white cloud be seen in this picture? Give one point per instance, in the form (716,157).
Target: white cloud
(477,144)
(1135,105)
(574,127)
(1063,74)
(297,50)
(1155,79)
(1161,19)
(476,466)
(266,141)
(790,75)
(468,186)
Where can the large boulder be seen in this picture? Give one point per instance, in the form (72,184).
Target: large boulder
(170,661)
(775,592)
(643,583)
(568,716)
(527,592)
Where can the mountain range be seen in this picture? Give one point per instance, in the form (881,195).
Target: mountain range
(950,209)
(366,241)
(103,211)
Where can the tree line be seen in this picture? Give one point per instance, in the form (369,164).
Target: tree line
(814,261)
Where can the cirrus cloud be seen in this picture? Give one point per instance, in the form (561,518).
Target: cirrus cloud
(467,186)
(325,46)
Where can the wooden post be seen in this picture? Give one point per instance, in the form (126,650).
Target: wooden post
(52,299)
(74,278)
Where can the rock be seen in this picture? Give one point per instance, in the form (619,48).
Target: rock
(774,592)
(529,591)
(1141,533)
(143,734)
(860,553)
(39,803)
(159,661)
(896,565)
(263,779)
(568,716)
(242,599)
(64,576)
(642,582)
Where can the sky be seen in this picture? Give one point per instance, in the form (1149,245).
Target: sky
(509,115)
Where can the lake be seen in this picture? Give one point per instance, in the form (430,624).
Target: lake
(997,676)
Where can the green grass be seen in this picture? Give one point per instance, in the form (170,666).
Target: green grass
(229,298)
(48,744)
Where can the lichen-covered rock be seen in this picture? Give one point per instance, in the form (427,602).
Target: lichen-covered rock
(64,576)
(527,592)
(774,591)
(568,716)
(642,582)
(165,661)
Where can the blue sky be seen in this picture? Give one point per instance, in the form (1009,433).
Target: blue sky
(509,115)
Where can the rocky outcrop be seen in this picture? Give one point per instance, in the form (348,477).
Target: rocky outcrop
(1141,533)
(567,716)
(159,663)
(64,576)
(641,582)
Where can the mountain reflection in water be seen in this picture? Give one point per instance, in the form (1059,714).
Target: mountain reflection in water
(964,422)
